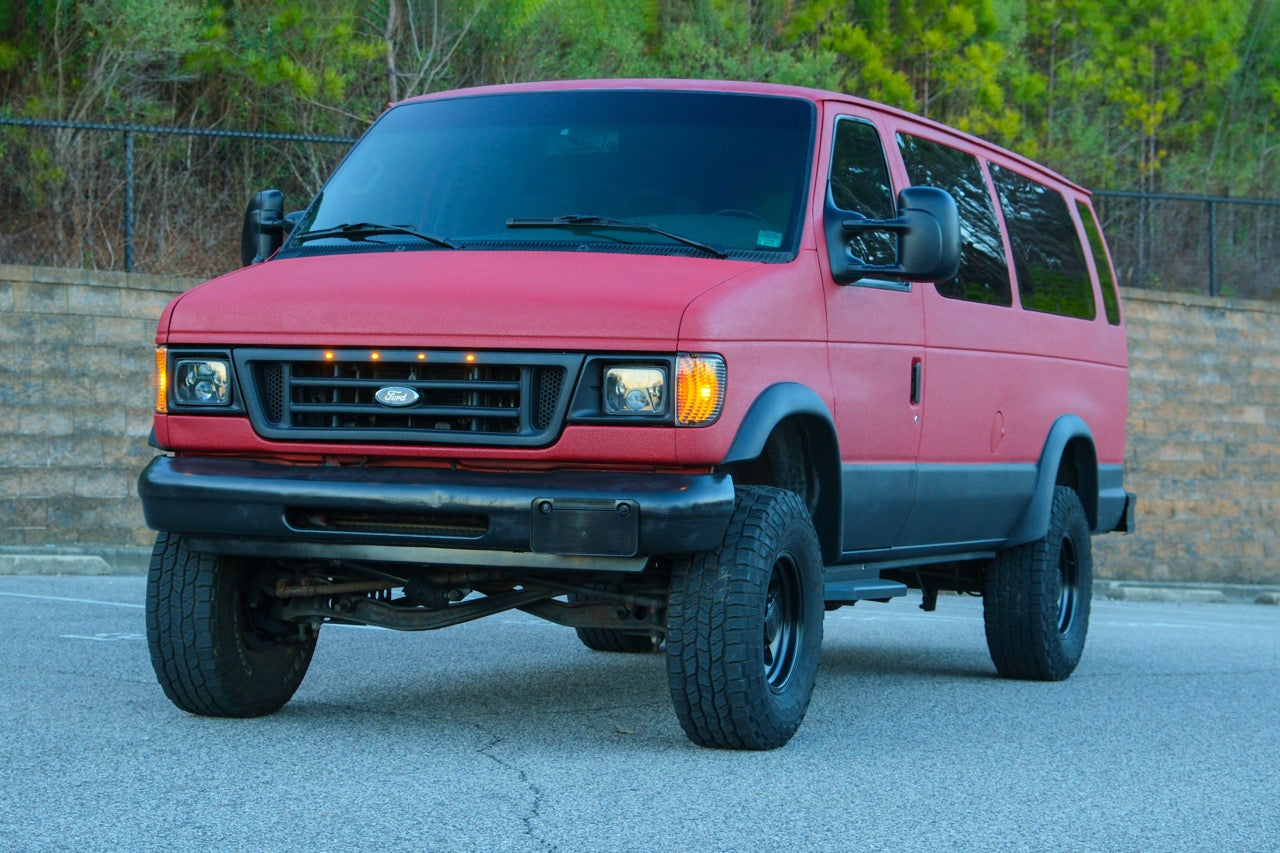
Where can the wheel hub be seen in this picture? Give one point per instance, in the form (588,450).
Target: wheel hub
(783,620)
(1068,581)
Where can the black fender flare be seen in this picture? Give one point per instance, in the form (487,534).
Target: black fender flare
(788,400)
(1033,524)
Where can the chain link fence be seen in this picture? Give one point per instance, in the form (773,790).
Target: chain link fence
(1194,244)
(171,200)
(163,200)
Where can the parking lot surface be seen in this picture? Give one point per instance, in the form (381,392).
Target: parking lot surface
(506,734)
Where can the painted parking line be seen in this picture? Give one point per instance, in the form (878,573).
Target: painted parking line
(72,600)
(131,605)
(103,638)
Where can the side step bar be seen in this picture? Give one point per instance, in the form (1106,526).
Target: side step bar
(860,589)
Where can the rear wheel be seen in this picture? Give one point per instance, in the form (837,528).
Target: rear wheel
(215,645)
(609,639)
(744,626)
(1036,597)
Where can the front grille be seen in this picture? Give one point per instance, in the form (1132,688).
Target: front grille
(444,397)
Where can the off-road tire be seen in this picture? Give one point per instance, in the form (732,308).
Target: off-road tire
(209,657)
(744,626)
(1036,597)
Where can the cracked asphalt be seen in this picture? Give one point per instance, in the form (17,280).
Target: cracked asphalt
(506,734)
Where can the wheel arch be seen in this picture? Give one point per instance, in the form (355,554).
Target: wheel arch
(784,406)
(1069,458)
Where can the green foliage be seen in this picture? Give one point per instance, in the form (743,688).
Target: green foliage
(1155,94)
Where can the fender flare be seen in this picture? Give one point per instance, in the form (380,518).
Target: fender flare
(776,404)
(1033,524)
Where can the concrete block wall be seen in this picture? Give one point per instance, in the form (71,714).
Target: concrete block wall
(1204,441)
(1204,424)
(76,355)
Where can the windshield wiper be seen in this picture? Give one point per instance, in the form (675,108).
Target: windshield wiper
(574,221)
(360,230)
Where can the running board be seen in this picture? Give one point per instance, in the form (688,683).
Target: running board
(875,589)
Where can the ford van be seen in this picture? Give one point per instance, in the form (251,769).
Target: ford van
(680,365)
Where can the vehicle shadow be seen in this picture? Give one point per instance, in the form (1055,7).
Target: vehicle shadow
(536,695)
(903,660)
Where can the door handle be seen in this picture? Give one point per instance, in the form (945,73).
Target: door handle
(917,376)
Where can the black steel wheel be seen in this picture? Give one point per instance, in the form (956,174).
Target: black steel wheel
(1037,596)
(783,622)
(744,626)
(215,646)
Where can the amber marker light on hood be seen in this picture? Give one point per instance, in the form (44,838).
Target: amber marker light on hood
(700,381)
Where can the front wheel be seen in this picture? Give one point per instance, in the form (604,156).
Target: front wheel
(744,626)
(215,644)
(1036,597)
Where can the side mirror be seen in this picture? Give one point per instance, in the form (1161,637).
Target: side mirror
(928,229)
(263,227)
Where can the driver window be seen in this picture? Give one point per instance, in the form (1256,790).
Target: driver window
(860,183)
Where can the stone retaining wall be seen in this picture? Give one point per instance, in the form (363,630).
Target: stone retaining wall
(76,359)
(76,355)
(1204,439)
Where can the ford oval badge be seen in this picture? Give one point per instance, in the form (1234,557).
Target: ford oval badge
(395,395)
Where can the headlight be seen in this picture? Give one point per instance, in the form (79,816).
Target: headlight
(635,391)
(201,382)
(678,389)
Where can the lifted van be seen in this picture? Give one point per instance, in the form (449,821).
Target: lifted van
(677,364)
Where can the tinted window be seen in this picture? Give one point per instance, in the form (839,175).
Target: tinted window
(728,170)
(983,275)
(1052,276)
(860,183)
(1110,302)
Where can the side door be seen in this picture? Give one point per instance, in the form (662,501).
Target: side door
(974,477)
(875,333)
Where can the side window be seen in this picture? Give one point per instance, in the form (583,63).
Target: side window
(984,274)
(860,183)
(1110,302)
(1052,276)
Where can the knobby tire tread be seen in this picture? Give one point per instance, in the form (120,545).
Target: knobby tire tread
(194,637)
(712,637)
(1020,599)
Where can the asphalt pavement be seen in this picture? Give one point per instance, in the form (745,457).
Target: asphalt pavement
(506,734)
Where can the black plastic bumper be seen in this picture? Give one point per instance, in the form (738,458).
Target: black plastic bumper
(435,515)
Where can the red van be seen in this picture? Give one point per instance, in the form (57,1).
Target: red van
(677,364)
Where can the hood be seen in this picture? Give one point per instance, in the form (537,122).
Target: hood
(463,299)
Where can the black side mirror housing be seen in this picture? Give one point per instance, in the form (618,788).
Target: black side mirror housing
(928,231)
(264,227)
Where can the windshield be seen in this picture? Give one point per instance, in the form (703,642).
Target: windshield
(713,174)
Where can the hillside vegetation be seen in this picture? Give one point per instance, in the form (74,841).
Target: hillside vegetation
(1144,94)
(1150,95)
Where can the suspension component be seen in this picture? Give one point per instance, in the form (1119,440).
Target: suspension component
(433,596)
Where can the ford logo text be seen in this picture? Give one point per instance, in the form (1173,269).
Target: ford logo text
(395,395)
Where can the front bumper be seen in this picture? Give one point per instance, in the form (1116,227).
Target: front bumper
(555,520)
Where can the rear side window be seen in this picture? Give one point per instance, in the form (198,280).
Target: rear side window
(984,274)
(860,183)
(1110,302)
(1052,276)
